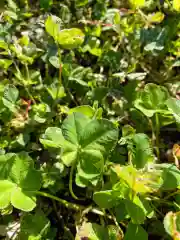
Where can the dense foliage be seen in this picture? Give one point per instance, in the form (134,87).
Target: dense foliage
(90,119)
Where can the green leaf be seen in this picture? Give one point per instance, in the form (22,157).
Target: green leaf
(114,233)
(93,46)
(170,175)
(135,232)
(69,154)
(81,3)
(34,226)
(92,231)
(70,38)
(142,152)
(79,74)
(53,138)
(54,61)
(136,210)
(173,105)
(90,166)
(137,3)
(52,26)
(5,193)
(12,5)
(139,181)
(11,14)
(23,181)
(46,3)
(22,163)
(172,224)
(99,135)
(105,199)
(176,5)
(87,142)
(56,92)
(84,109)
(120,211)
(24,201)
(73,127)
(10,97)
(6,162)
(152,100)
(3,45)
(157,17)
(5,63)
(11,93)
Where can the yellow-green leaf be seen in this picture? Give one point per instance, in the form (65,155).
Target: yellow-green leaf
(70,38)
(3,45)
(137,3)
(157,17)
(52,26)
(176,5)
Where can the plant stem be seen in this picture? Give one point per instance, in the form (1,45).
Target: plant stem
(60,72)
(27,90)
(67,204)
(22,81)
(157,135)
(172,194)
(117,224)
(71,181)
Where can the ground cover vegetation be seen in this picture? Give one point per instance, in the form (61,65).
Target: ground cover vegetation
(90,119)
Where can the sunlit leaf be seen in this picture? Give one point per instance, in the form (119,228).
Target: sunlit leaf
(172,224)
(92,231)
(157,17)
(70,38)
(137,3)
(176,5)
(23,179)
(173,105)
(81,3)
(5,63)
(152,99)
(52,25)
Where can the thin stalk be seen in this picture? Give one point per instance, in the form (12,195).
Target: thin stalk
(67,204)
(71,96)
(172,194)
(153,132)
(22,81)
(60,72)
(26,4)
(71,181)
(27,89)
(69,233)
(163,201)
(117,224)
(73,206)
(157,210)
(157,135)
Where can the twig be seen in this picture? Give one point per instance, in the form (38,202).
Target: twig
(172,194)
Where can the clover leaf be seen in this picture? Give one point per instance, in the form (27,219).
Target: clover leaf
(173,105)
(92,232)
(70,38)
(19,181)
(172,224)
(152,100)
(86,143)
(34,226)
(135,232)
(10,97)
